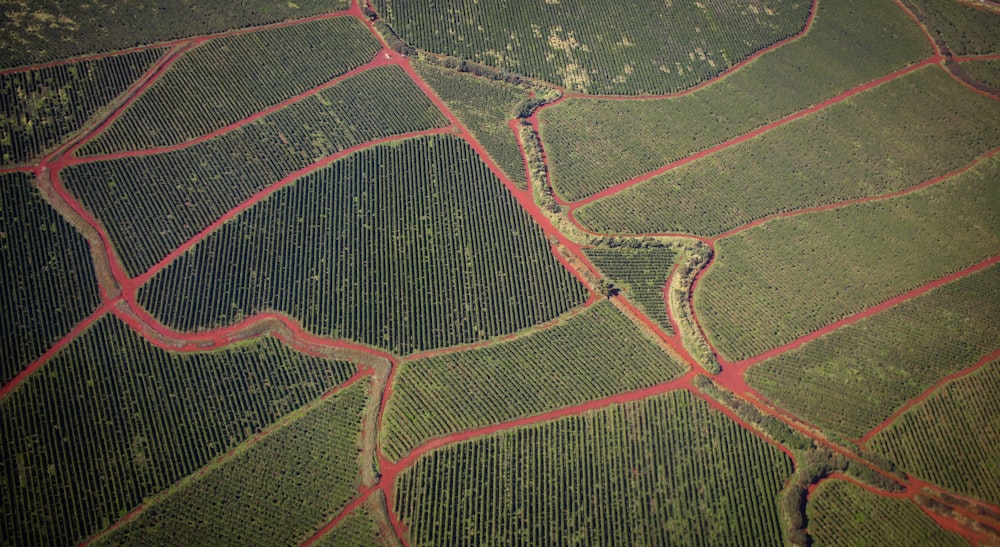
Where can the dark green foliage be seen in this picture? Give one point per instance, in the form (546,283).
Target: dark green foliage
(964,30)
(38,108)
(406,246)
(641,274)
(985,72)
(180,193)
(47,284)
(112,419)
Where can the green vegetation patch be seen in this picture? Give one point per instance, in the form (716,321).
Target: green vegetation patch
(485,107)
(405,246)
(948,438)
(788,277)
(593,355)
(843,514)
(358,529)
(38,108)
(47,284)
(43,30)
(850,150)
(851,380)
(153,203)
(849,43)
(641,273)
(987,72)
(278,491)
(668,470)
(965,30)
(227,79)
(599,47)
(112,419)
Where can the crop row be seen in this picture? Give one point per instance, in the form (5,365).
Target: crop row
(965,30)
(38,108)
(47,284)
(602,47)
(662,471)
(278,491)
(847,151)
(112,419)
(986,72)
(849,43)
(358,529)
(841,513)
(484,107)
(949,438)
(407,246)
(788,277)
(52,29)
(230,78)
(851,380)
(593,355)
(642,274)
(151,204)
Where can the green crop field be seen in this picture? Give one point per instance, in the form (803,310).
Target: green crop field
(485,107)
(987,72)
(440,395)
(850,42)
(604,47)
(965,30)
(843,514)
(453,262)
(666,470)
(358,529)
(851,380)
(642,274)
(112,419)
(44,30)
(845,152)
(252,71)
(308,471)
(947,438)
(776,282)
(48,284)
(184,191)
(38,108)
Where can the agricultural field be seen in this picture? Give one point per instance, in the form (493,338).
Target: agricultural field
(843,514)
(231,78)
(359,528)
(610,48)
(308,470)
(438,395)
(624,475)
(485,107)
(186,190)
(945,438)
(987,72)
(112,419)
(845,152)
(788,277)
(852,379)
(850,42)
(39,108)
(405,246)
(48,284)
(642,274)
(46,30)
(964,30)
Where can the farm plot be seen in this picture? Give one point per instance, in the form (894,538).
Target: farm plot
(948,438)
(153,203)
(230,78)
(987,72)
(641,273)
(850,42)
(407,246)
(849,150)
(843,514)
(277,491)
(776,282)
(964,30)
(43,30)
(38,108)
(485,107)
(47,283)
(662,471)
(112,419)
(852,379)
(600,47)
(358,529)
(593,355)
